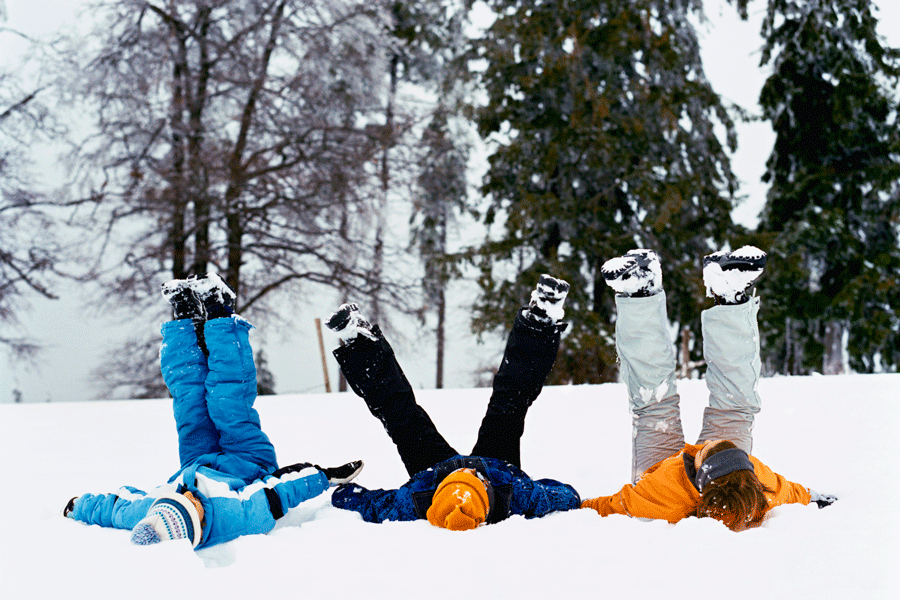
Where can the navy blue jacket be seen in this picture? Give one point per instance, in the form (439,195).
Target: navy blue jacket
(515,493)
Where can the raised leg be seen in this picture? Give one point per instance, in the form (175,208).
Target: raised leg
(184,369)
(373,373)
(231,392)
(647,358)
(731,350)
(529,356)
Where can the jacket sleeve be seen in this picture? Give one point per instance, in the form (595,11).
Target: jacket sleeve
(121,510)
(784,491)
(375,506)
(534,499)
(655,496)
(255,508)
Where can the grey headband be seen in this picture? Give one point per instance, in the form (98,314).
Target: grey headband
(722,463)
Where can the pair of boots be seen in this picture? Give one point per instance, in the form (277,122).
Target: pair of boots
(545,307)
(199,298)
(728,276)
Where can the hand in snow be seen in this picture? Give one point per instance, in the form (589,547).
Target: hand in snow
(67,511)
(822,500)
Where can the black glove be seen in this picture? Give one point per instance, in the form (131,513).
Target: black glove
(343,473)
(294,468)
(822,500)
(335,475)
(70,506)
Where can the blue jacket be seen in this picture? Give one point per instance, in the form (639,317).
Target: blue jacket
(231,507)
(226,460)
(515,493)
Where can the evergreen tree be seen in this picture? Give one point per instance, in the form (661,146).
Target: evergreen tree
(430,42)
(604,128)
(443,192)
(265,380)
(831,217)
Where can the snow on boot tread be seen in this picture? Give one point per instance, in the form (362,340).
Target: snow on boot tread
(729,275)
(215,294)
(348,323)
(210,285)
(637,273)
(185,302)
(547,299)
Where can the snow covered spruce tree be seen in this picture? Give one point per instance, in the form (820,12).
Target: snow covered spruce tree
(235,136)
(833,209)
(603,124)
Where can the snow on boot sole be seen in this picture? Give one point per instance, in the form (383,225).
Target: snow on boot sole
(547,299)
(729,275)
(348,323)
(636,273)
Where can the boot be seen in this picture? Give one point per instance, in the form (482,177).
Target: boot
(217,297)
(637,274)
(729,276)
(185,302)
(546,305)
(348,323)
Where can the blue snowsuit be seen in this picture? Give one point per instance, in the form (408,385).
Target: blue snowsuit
(372,371)
(226,460)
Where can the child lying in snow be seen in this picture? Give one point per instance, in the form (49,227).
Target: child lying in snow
(715,477)
(229,483)
(448,489)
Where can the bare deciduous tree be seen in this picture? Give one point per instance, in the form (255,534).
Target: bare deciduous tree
(240,137)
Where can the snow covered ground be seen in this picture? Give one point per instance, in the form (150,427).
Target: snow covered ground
(835,434)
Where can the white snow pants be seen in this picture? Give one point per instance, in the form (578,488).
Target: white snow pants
(647,357)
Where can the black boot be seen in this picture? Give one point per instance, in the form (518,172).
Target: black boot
(186,305)
(185,302)
(348,323)
(216,296)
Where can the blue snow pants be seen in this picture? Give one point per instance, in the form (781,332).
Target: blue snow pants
(213,398)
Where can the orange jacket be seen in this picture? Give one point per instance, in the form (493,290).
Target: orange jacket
(666,492)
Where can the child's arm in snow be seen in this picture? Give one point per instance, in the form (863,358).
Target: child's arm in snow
(375,506)
(121,510)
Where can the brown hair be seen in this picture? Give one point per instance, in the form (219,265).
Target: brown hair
(737,499)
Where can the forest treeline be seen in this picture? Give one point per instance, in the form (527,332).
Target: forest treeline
(296,146)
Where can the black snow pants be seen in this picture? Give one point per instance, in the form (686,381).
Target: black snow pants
(373,373)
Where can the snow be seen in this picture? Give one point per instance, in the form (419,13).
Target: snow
(636,279)
(729,284)
(836,434)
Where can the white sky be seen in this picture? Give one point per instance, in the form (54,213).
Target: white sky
(72,338)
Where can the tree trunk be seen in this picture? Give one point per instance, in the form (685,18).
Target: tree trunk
(381,209)
(439,335)
(178,196)
(236,169)
(833,356)
(197,182)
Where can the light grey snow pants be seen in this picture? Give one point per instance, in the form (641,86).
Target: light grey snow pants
(647,356)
